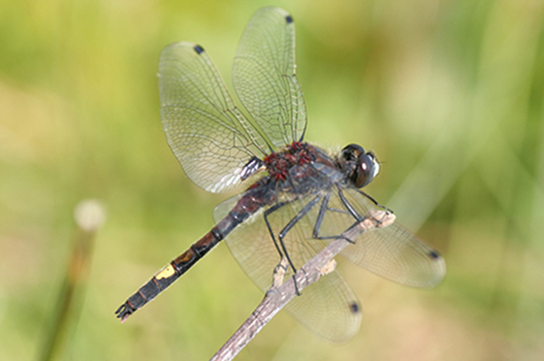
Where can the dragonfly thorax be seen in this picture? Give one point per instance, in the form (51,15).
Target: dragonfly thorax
(296,154)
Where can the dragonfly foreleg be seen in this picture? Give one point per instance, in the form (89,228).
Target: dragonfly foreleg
(348,205)
(374,201)
(324,208)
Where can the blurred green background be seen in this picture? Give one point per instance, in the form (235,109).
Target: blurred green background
(449,94)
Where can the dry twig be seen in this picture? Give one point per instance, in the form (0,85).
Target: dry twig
(280,294)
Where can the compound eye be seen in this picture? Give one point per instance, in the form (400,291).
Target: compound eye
(352,152)
(367,169)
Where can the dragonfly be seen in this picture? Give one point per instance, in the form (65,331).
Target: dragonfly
(300,197)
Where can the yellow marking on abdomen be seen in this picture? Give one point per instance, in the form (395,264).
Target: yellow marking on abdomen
(167,272)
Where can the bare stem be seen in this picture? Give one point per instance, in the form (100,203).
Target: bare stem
(89,216)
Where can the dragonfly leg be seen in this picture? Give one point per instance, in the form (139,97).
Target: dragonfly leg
(374,201)
(289,226)
(348,205)
(324,208)
(352,210)
(268,212)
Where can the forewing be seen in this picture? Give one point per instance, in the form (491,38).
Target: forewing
(264,76)
(210,138)
(328,307)
(391,252)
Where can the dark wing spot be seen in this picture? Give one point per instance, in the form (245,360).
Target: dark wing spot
(199,49)
(434,255)
(354,307)
(289,19)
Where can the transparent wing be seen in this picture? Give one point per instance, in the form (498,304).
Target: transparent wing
(210,137)
(328,307)
(391,252)
(264,76)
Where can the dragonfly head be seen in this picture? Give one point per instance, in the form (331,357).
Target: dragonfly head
(358,165)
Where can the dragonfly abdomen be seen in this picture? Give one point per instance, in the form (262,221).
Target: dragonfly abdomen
(168,274)
(244,208)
